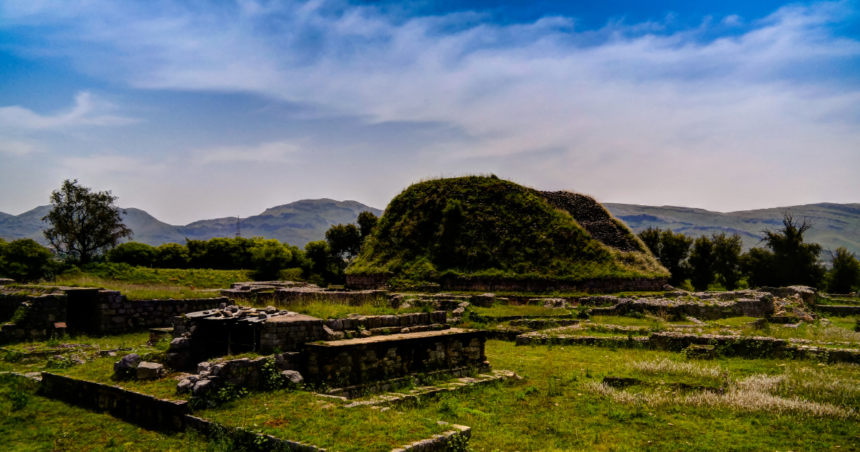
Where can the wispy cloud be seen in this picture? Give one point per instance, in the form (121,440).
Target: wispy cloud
(275,152)
(86,111)
(735,109)
(15,147)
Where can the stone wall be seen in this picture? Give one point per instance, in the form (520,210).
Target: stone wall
(708,309)
(41,313)
(141,409)
(359,361)
(114,313)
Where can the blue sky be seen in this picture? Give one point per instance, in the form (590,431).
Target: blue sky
(205,109)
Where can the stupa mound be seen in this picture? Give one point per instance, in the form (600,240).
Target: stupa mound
(485,233)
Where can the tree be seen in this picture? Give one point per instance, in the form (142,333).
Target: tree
(651,238)
(344,241)
(757,264)
(701,263)
(845,275)
(674,249)
(794,262)
(324,264)
(727,258)
(269,257)
(366,223)
(84,223)
(134,253)
(172,255)
(23,259)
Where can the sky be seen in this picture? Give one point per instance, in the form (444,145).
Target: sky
(203,109)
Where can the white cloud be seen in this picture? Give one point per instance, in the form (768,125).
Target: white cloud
(109,164)
(84,112)
(275,152)
(627,112)
(17,147)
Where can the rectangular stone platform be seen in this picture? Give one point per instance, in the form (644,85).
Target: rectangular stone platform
(359,361)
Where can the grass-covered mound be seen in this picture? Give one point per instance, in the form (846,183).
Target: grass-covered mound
(484,226)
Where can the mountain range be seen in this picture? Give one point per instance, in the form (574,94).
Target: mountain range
(296,223)
(300,222)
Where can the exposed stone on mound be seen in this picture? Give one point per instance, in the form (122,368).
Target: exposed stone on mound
(592,216)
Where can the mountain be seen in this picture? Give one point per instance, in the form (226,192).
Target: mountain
(307,220)
(834,225)
(296,223)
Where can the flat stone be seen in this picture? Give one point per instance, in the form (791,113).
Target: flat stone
(293,377)
(127,362)
(203,387)
(149,371)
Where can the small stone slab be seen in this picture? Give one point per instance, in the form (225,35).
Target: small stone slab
(150,371)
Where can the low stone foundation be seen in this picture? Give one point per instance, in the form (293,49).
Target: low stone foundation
(35,317)
(361,361)
(140,409)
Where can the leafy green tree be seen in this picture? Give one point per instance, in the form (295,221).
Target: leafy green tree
(344,241)
(674,249)
(323,264)
(366,223)
(23,260)
(84,223)
(727,258)
(269,257)
(701,263)
(845,275)
(221,253)
(787,260)
(172,255)
(134,253)
(795,262)
(651,238)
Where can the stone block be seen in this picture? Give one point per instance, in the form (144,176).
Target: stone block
(150,371)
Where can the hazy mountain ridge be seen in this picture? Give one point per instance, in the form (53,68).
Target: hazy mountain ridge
(300,222)
(835,225)
(295,223)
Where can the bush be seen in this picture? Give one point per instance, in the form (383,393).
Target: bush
(133,253)
(845,275)
(269,257)
(172,255)
(24,260)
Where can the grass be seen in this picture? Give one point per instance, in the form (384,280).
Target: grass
(501,310)
(141,283)
(305,417)
(484,226)
(97,369)
(44,424)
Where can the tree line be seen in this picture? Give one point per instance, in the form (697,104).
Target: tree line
(784,259)
(86,227)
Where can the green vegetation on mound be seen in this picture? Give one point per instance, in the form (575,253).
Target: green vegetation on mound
(484,226)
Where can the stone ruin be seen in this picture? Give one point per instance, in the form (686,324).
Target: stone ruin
(346,351)
(286,293)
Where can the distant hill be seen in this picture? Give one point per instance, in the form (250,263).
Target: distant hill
(835,225)
(296,223)
(307,220)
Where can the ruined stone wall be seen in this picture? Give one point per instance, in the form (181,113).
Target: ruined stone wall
(40,313)
(114,313)
(359,362)
(141,409)
(290,335)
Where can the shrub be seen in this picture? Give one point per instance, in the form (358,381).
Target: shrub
(24,260)
(845,275)
(269,257)
(172,255)
(133,253)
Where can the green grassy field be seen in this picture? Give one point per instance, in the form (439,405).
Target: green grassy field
(43,424)
(561,404)
(141,283)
